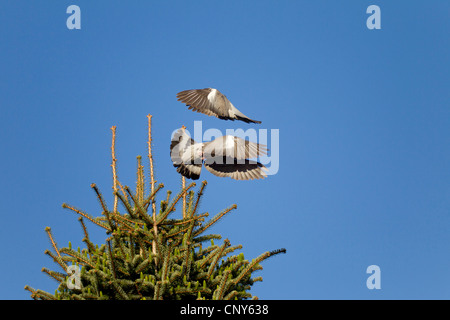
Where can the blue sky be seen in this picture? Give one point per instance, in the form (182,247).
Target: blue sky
(363,118)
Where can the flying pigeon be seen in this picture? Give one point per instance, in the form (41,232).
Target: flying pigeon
(226,156)
(212,102)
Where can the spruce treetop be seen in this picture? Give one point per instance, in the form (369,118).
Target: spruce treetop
(148,253)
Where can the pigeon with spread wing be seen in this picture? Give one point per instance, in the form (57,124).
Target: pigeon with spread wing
(212,102)
(226,156)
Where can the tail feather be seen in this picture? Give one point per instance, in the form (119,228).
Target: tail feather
(247,120)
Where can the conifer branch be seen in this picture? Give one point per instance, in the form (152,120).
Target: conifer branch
(257,261)
(190,228)
(127,205)
(86,239)
(187,261)
(77,256)
(176,232)
(152,179)
(168,196)
(114,165)
(58,276)
(39,294)
(118,243)
(99,197)
(174,202)
(87,216)
(183,222)
(127,223)
(144,264)
(218,255)
(143,247)
(104,207)
(111,260)
(119,290)
(256,279)
(151,197)
(199,195)
(214,220)
(231,249)
(210,251)
(83,226)
(57,259)
(231,295)
(122,189)
(150,155)
(183,186)
(141,211)
(207,238)
(140,187)
(218,294)
(34,295)
(157,295)
(166,261)
(50,236)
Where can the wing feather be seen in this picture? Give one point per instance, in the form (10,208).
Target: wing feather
(234,147)
(248,170)
(197,99)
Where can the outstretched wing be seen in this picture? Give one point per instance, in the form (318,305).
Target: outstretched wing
(212,102)
(234,169)
(235,147)
(208,101)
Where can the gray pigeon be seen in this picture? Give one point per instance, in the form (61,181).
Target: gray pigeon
(212,102)
(226,156)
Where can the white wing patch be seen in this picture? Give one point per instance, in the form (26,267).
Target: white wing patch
(229,142)
(212,95)
(229,146)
